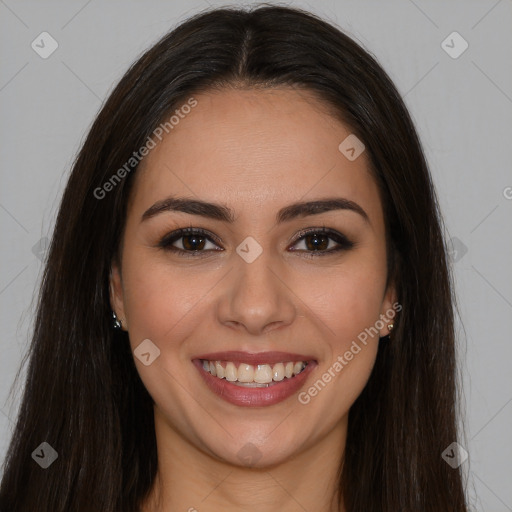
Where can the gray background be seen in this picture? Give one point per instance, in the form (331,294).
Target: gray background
(462,108)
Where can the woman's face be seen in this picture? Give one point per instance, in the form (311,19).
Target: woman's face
(252,283)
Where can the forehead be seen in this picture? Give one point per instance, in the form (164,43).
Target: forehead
(251,148)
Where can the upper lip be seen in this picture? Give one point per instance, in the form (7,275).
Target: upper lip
(254,358)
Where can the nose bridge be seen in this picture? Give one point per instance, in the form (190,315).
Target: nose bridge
(257,295)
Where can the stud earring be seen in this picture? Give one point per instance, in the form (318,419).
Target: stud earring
(390,328)
(116,322)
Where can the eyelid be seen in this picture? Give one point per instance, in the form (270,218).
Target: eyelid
(178,233)
(323,230)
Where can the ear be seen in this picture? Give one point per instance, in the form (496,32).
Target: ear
(117,295)
(389,310)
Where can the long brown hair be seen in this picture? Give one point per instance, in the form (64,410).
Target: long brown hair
(83,394)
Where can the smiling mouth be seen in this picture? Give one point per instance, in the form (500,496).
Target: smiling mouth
(253,376)
(271,378)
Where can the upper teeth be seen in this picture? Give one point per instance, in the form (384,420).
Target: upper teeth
(261,373)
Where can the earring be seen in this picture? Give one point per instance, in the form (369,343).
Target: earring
(116,322)
(390,328)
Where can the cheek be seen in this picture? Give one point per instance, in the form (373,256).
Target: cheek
(349,300)
(158,297)
(162,304)
(349,310)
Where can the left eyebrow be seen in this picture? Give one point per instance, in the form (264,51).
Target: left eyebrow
(223,213)
(304,209)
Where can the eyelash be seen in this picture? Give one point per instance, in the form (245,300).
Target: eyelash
(343,242)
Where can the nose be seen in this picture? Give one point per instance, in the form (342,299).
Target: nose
(256,297)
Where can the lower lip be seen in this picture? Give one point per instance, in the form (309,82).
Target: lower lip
(254,397)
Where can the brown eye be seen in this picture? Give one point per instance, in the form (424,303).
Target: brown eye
(320,241)
(192,241)
(316,242)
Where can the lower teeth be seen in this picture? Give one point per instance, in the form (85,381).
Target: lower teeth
(252,384)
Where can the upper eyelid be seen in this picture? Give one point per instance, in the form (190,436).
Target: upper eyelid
(323,229)
(181,232)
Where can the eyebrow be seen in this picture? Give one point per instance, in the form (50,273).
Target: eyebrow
(223,213)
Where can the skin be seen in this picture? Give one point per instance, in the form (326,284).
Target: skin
(255,151)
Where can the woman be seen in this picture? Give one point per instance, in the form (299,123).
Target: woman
(246,304)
